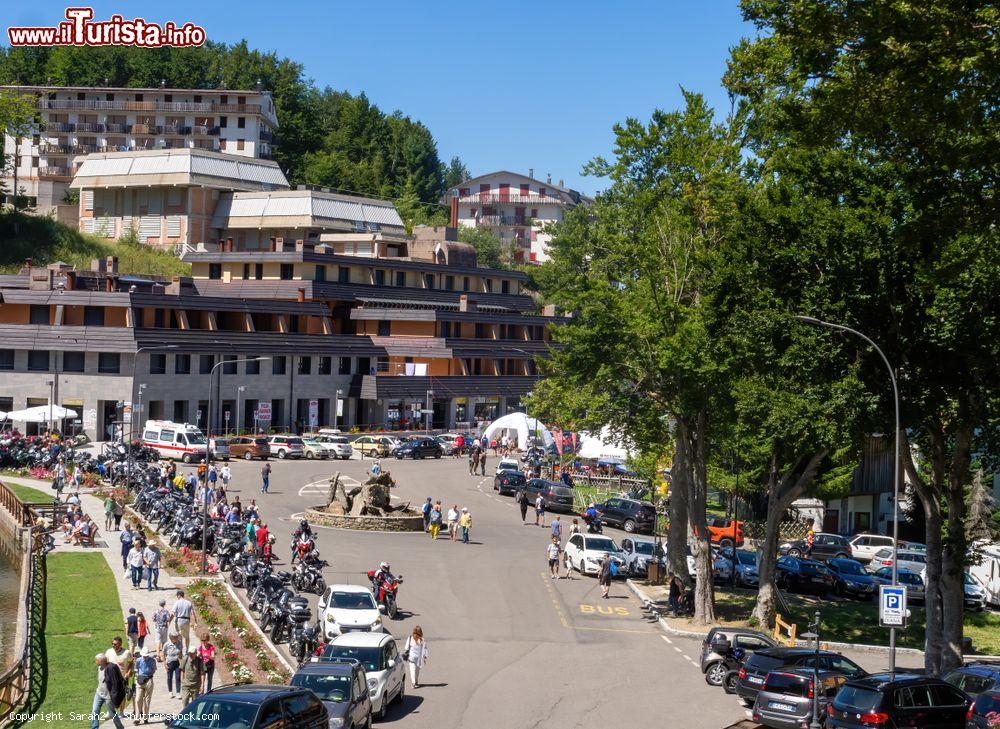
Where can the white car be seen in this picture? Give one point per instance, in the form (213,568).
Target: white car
(864,546)
(338,445)
(384,667)
(347,609)
(508,464)
(912,561)
(722,567)
(638,553)
(585,553)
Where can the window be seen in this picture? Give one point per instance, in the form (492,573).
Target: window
(505,287)
(325,365)
(365,365)
(401,278)
(108,363)
(40,314)
(445,329)
(449,283)
(271,714)
(541,192)
(159,318)
(182,364)
(344,275)
(6,359)
(38,361)
(489,285)
(240,144)
(429,280)
(253,367)
(345,366)
(241,122)
(246,271)
(382,364)
(524,191)
(912,697)
(465,283)
(157,364)
(223,121)
(215,270)
(278,366)
(320,274)
(258,272)
(383,328)
(93,316)
(230,367)
(205,364)
(305,366)
(380,278)
(287,271)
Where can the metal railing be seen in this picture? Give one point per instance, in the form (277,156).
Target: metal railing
(54,172)
(183,106)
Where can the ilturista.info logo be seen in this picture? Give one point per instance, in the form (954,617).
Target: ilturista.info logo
(80,29)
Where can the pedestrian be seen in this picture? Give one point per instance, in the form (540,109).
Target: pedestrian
(110,692)
(134,559)
(674,593)
(59,482)
(226,474)
(453,523)
(206,652)
(473,460)
(604,575)
(161,624)
(119,512)
(426,511)
(482,462)
(213,476)
(557,528)
(132,629)
(522,502)
(459,445)
(202,471)
(261,536)
(435,523)
(415,654)
(109,511)
(574,528)
(265,477)
(119,656)
(126,538)
(192,671)
(172,660)
(183,612)
(151,558)
(145,667)
(539,510)
(143,629)
(552,552)
(465,521)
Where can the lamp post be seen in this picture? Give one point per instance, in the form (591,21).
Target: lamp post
(239,413)
(814,635)
(895,465)
(429,411)
(208,456)
(52,396)
(136,407)
(336,410)
(131,390)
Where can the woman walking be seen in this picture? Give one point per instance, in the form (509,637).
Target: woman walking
(118,510)
(172,660)
(109,512)
(522,501)
(415,654)
(435,523)
(126,539)
(206,652)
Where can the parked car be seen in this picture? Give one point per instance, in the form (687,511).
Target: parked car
(722,568)
(979,714)
(724,532)
(348,609)
(342,686)
(254,706)
(312,449)
(864,546)
(851,579)
(825,546)
(508,482)
(639,553)
(447,441)
(383,665)
(975,594)
(975,678)
(219,448)
(762,662)
(508,464)
(632,515)
(338,445)
(249,447)
(422,447)
(746,566)
(379,446)
(914,561)
(913,581)
(585,553)
(803,575)
(785,701)
(905,700)
(286,446)
(557,496)
(745,638)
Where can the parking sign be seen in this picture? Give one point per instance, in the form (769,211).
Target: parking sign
(892,606)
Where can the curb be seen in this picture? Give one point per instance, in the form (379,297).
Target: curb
(664,625)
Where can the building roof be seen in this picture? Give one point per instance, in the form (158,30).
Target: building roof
(302,209)
(576,196)
(199,167)
(136,89)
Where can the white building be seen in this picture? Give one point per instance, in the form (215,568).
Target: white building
(516,206)
(78,120)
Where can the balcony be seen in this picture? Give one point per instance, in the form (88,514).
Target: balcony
(176,130)
(91,127)
(381,387)
(59,127)
(204,131)
(513,198)
(171,106)
(53,149)
(497,221)
(56,172)
(117,128)
(267,136)
(146,129)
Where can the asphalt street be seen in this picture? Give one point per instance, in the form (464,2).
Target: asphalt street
(508,646)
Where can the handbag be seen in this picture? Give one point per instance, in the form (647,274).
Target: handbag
(406,650)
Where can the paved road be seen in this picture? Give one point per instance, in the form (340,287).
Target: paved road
(508,646)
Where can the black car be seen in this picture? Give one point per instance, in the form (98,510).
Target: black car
(983,705)
(825,546)
(903,700)
(508,482)
(342,686)
(557,496)
(975,678)
(631,515)
(851,579)
(420,448)
(757,666)
(254,706)
(803,575)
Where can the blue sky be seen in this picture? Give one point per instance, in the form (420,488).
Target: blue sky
(505,85)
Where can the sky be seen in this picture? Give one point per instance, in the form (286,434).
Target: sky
(503,85)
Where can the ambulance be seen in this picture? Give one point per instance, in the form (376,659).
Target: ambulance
(178,441)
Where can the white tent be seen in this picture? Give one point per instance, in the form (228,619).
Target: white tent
(602,447)
(519,428)
(42,414)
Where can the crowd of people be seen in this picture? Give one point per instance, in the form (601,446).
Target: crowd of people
(457,521)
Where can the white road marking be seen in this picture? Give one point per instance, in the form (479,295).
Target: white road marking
(666,639)
(678,649)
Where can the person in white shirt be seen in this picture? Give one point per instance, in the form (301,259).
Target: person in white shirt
(225,474)
(453,523)
(415,654)
(552,552)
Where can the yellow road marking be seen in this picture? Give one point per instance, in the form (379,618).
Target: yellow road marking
(605,610)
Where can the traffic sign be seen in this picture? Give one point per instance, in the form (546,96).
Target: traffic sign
(892,606)
(264,411)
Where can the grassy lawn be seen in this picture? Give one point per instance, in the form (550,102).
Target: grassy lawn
(29,494)
(82,615)
(853,621)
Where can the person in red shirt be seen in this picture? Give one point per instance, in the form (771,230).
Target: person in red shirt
(262,535)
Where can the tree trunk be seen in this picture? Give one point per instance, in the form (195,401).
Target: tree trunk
(704,592)
(954,552)
(932,590)
(677,534)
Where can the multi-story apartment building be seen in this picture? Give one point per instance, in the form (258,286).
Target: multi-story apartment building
(517,207)
(76,121)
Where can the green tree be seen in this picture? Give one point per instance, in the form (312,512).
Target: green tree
(455,173)
(489,248)
(18,118)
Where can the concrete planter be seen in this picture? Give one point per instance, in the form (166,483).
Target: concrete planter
(402,523)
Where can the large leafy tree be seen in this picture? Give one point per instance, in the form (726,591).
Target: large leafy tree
(908,92)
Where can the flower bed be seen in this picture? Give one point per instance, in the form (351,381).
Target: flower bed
(187,561)
(245,656)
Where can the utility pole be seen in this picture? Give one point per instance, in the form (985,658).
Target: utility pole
(239,413)
(336,410)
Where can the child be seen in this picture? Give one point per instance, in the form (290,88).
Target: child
(143,629)
(132,630)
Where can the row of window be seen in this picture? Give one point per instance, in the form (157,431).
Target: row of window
(93,316)
(40,361)
(278,365)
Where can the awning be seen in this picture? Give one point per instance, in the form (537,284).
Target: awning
(42,414)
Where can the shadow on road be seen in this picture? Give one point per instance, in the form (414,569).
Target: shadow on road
(404,708)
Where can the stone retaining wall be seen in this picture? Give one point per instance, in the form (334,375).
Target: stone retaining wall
(409,523)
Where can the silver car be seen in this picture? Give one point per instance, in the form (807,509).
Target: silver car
(912,580)
(785,701)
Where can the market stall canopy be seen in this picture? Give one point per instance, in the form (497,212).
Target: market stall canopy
(42,414)
(519,427)
(603,448)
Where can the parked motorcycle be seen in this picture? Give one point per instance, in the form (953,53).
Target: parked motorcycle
(308,576)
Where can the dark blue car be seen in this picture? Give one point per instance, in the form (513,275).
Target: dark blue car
(851,579)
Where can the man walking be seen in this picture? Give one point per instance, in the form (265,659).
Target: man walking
(552,552)
(522,501)
(426,510)
(151,557)
(110,691)
(539,510)
(557,528)
(265,477)
(604,575)
(161,623)
(192,672)
(465,521)
(183,613)
(482,462)
(453,523)
(145,667)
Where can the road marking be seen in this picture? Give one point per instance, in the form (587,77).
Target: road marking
(603,610)
(666,639)
(547,581)
(678,649)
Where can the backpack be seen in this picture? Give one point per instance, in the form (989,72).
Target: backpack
(614,569)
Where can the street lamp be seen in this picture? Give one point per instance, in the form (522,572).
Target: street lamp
(208,455)
(52,396)
(429,405)
(814,635)
(131,420)
(336,409)
(895,466)
(137,405)
(239,392)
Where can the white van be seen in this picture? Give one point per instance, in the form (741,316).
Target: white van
(175,440)
(984,565)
